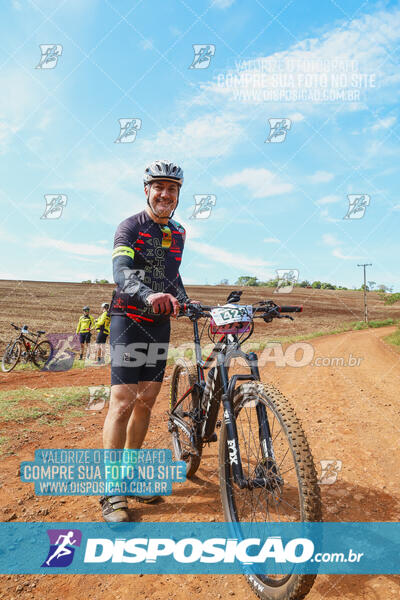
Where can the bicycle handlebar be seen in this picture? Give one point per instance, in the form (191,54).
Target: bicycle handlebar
(270,308)
(288,309)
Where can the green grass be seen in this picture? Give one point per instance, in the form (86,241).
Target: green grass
(393,338)
(3,443)
(47,404)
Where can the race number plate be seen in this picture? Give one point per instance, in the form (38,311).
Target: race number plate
(231,313)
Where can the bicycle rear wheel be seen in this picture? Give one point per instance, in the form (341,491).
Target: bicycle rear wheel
(11,356)
(185,440)
(42,353)
(292,493)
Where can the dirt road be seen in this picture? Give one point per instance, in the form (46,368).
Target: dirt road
(350,414)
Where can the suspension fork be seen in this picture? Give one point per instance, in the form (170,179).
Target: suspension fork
(230,423)
(264,431)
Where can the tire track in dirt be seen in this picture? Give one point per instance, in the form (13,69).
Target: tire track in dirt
(350,414)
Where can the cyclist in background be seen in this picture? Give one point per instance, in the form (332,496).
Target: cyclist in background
(103,331)
(85,324)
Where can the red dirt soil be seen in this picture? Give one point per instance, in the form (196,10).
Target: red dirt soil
(350,414)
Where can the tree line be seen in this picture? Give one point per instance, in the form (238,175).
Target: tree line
(248,280)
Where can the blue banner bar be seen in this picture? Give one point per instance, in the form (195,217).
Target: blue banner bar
(190,548)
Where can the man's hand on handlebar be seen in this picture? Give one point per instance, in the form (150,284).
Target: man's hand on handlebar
(163,303)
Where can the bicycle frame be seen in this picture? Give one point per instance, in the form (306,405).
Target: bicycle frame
(225,349)
(24,338)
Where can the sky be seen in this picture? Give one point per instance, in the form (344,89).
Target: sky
(284,114)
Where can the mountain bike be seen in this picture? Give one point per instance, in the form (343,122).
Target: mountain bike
(27,349)
(266,469)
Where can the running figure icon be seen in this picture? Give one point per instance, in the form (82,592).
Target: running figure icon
(62,547)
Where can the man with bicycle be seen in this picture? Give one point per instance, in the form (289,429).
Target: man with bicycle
(146,258)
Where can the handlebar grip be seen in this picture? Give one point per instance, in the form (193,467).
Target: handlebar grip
(288,309)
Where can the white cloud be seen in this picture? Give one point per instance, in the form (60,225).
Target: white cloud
(249,264)
(26,95)
(222,3)
(207,136)
(6,236)
(330,240)
(339,254)
(384,124)
(115,187)
(175,31)
(321,177)
(271,240)
(260,182)
(72,248)
(146,44)
(367,41)
(330,199)
(326,216)
(296,117)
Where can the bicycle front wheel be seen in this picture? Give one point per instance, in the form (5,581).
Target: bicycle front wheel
(291,493)
(42,353)
(187,447)
(11,357)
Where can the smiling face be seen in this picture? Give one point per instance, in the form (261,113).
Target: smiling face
(162,197)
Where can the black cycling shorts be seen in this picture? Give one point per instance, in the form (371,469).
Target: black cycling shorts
(84,338)
(138,352)
(101,337)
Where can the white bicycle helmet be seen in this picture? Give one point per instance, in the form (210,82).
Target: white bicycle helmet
(105,305)
(163,169)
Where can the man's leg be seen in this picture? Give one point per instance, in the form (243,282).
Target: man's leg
(139,420)
(122,400)
(139,423)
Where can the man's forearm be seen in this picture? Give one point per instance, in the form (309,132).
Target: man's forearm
(128,281)
(181,294)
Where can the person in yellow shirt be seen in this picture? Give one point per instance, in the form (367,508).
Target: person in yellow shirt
(103,330)
(85,324)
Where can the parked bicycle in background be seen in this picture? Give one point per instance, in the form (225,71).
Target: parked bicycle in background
(27,348)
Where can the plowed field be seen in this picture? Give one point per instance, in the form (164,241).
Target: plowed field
(349,414)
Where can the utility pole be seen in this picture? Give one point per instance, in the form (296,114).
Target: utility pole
(365,291)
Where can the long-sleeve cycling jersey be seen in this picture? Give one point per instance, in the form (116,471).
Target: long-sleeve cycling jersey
(103,323)
(85,324)
(146,260)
